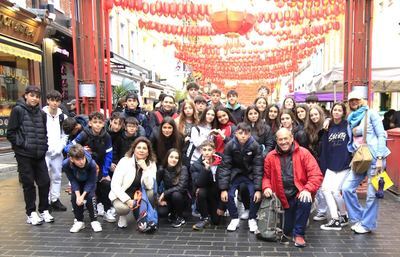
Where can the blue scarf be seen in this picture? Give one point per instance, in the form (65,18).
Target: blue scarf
(355,117)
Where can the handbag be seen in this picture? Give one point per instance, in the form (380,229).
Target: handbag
(362,158)
(387,181)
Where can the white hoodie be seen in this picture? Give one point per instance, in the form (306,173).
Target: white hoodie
(56,138)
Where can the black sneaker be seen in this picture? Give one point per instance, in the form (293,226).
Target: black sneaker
(332,225)
(171,217)
(284,240)
(178,222)
(57,206)
(203,223)
(344,220)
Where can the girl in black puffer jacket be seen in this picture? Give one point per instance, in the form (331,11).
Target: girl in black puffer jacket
(173,181)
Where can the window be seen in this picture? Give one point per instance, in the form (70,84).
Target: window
(56,3)
(21,3)
(122,50)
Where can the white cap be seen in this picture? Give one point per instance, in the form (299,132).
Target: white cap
(355,95)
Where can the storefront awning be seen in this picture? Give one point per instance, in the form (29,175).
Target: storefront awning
(20,49)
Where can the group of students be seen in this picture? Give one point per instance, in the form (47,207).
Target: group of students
(200,156)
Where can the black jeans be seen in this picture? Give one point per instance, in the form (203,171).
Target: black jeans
(90,205)
(208,201)
(176,204)
(33,171)
(102,191)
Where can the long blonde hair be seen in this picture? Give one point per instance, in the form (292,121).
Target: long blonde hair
(181,120)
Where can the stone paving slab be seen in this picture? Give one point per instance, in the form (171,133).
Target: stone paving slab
(20,239)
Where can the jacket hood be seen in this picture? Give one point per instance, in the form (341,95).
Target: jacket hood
(235,107)
(249,142)
(46,109)
(132,112)
(21,102)
(89,131)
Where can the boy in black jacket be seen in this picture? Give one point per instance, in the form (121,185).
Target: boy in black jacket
(81,172)
(97,142)
(125,139)
(27,134)
(242,163)
(204,176)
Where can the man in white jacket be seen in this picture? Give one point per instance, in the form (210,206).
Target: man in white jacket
(56,142)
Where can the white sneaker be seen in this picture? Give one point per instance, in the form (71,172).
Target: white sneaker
(252,225)
(34,219)
(78,226)
(108,216)
(245,215)
(46,217)
(100,209)
(361,230)
(355,226)
(233,225)
(122,221)
(96,226)
(113,211)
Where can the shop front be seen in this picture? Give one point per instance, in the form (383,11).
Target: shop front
(21,33)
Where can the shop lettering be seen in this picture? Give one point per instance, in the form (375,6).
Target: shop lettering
(8,22)
(11,73)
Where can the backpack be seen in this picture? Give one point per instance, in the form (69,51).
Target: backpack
(189,151)
(270,219)
(147,222)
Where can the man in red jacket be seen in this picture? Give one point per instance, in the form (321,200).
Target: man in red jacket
(292,173)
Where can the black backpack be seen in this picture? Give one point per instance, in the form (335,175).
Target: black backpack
(270,219)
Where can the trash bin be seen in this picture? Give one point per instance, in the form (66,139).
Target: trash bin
(393,160)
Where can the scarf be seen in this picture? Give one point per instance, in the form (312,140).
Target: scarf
(355,117)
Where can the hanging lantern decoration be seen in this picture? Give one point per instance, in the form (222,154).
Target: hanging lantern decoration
(230,17)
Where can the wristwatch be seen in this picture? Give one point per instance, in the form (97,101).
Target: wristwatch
(379,158)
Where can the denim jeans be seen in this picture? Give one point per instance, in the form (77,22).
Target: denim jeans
(296,217)
(235,184)
(366,215)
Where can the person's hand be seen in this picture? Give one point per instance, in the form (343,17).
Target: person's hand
(113,166)
(197,192)
(187,138)
(79,201)
(325,125)
(87,148)
(130,203)
(161,197)
(220,212)
(354,131)
(257,196)
(162,203)
(268,192)
(105,178)
(305,196)
(378,166)
(206,164)
(142,164)
(224,196)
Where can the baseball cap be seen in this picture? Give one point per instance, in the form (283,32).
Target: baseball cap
(355,95)
(73,101)
(32,88)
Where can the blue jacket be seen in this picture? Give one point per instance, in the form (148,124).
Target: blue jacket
(376,136)
(78,176)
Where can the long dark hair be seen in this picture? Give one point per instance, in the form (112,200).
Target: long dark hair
(294,103)
(305,108)
(344,111)
(259,124)
(161,140)
(292,116)
(274,124)
(138,140)
(203,121)
(264,113)
(224,109)
(177,168)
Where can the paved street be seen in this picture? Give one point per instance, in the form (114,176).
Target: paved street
(18,238)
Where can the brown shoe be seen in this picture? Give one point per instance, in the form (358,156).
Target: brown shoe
(299,241)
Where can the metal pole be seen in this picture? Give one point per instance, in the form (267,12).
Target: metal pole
(108,55)
(75,47)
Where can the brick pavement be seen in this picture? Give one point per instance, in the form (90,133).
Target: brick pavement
(20,239)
